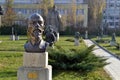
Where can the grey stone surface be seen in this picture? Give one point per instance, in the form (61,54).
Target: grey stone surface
(86,34)
(35,59)
(76,38)
(113,43)
(113,37)
(113,40)
(58,36)
(16,37)
(12,37)
(113,68)
(27,73)
(76,42)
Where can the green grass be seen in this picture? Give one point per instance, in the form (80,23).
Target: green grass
(11,58)
(107,46)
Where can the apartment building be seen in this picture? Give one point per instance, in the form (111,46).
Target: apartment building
(111,15)
(24,8)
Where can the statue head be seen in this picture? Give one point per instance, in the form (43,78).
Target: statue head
(77,35)
(35,28)
(34,31)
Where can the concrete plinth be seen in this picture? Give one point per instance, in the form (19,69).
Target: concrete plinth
(35,59)
(25,73)
(58,37)
(76,42)
(16,37)
(113,43)
(12,37)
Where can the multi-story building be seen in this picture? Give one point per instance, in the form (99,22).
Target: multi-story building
(111,15)
(24,8)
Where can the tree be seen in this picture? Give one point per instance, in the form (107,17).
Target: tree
(71,17)
(10,16)
(45,5)
(95,10)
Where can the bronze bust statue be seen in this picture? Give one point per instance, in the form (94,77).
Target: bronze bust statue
(35,30)
(50,37)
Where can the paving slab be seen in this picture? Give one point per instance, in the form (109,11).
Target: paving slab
(113,68)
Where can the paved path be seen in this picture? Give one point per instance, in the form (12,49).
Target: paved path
(113,69)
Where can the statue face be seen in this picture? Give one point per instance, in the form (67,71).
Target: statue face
(35,27)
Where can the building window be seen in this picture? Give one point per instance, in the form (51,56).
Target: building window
(111,5)
(117,23)
(80,11)
(111,17)
(117,4)
(117,17)
(104,17)
(111,23)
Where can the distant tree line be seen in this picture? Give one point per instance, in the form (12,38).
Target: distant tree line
(71,24)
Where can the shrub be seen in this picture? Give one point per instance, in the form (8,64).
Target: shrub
(70,30)
(72,40)
(7,30)
(103,41)
(74,59)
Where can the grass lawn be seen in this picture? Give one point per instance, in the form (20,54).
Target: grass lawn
(11,58)
(107,46)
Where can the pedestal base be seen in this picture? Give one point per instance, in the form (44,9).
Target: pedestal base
(16,37)
(12,37)
(113,43)
(25,73)
(76,42)
(35,59)
(58,37)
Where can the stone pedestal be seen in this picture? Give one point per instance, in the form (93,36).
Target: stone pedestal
(28,73)
(16,37)
(86,34)
(113,43)
(35,67)
(35,59)
(98,38)
(12,37)
(58,37)
(76,42)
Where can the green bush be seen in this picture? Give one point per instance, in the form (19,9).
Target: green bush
(72,40)
(103,41)
(74,59)
(18,30)
(70,30)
